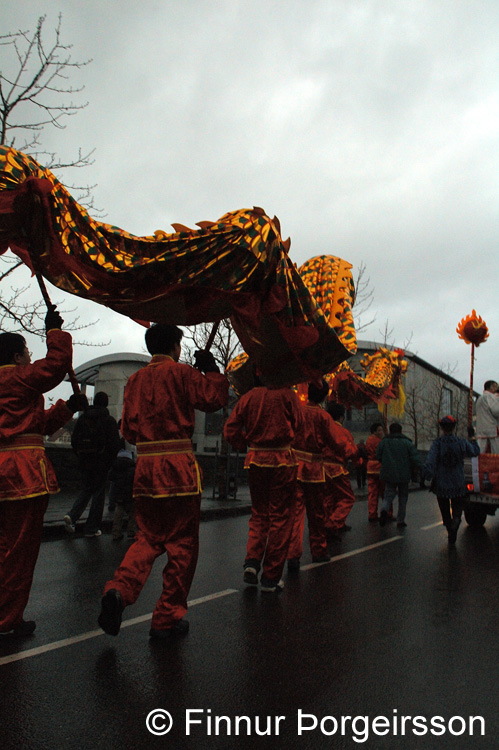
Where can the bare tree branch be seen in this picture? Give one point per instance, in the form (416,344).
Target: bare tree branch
(364,298)
(35,93)
(224,348)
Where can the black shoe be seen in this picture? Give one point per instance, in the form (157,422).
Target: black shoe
(294,564)
(180,628)
(22,629)
(401,524)
(111,611)
(250,575)
(383,518)
(452,536)
(321,559)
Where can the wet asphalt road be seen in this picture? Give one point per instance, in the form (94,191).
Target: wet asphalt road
(397,625)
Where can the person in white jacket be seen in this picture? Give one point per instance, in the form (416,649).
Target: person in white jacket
(487,418)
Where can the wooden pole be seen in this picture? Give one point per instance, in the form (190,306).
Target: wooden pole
(470,399)
(51,306)
(211,337)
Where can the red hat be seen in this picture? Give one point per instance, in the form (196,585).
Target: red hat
(448,420)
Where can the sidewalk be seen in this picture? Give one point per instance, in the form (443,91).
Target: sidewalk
(60,504)
(53,525)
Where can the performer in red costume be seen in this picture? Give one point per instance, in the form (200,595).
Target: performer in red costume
(318,433)
(375,486)
(339,498)
(158,417)
(26,475)
(267,421)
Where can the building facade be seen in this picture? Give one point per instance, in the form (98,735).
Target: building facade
(430,393)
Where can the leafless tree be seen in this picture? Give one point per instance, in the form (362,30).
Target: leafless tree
(35,93)
(438,403)
(414,411)
(225,344)
(20,314)
(364,298)
(225,347)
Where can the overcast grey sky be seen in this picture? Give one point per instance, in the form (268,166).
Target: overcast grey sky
(370,128)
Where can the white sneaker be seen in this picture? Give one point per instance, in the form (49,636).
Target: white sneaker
(94,533)
(68,524)
(273,587)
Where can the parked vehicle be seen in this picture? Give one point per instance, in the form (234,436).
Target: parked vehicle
(482,482)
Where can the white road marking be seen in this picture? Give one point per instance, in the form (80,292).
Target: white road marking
(432,526)
(351,553)
(201,600)
(95,633)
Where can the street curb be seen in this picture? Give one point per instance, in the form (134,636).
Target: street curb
(57,530)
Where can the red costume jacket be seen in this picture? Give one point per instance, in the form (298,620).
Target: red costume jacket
(317,435)
(373,466)
(336,455)
(266,420)
(158,417)
(25,470)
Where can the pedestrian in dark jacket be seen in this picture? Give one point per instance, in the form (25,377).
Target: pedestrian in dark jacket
(96,441)
(444,466)
(398,456)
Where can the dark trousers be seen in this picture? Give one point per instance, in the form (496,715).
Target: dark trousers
(451,510)
(94,490)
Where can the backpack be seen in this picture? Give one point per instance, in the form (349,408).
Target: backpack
(90,437)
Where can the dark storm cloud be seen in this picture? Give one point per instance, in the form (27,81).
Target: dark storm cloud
(369,128)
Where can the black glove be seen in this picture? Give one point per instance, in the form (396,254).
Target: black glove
(53,319)
(205,361)
(471,432)
(77,402)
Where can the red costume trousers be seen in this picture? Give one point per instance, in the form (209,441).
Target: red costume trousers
(170,525)
(339,501)
(273,498)
(21,528)
(309,500)
(375,490)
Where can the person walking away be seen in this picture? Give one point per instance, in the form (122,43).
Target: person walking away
(375,487)
(27,477)
(266,421)
(398,456)
(444,466)
(308,447)
(96,441)
(339,498)
(121,476)
(487,418)
(158,417)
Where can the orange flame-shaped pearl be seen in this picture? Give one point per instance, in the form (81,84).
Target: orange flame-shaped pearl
(472,329)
